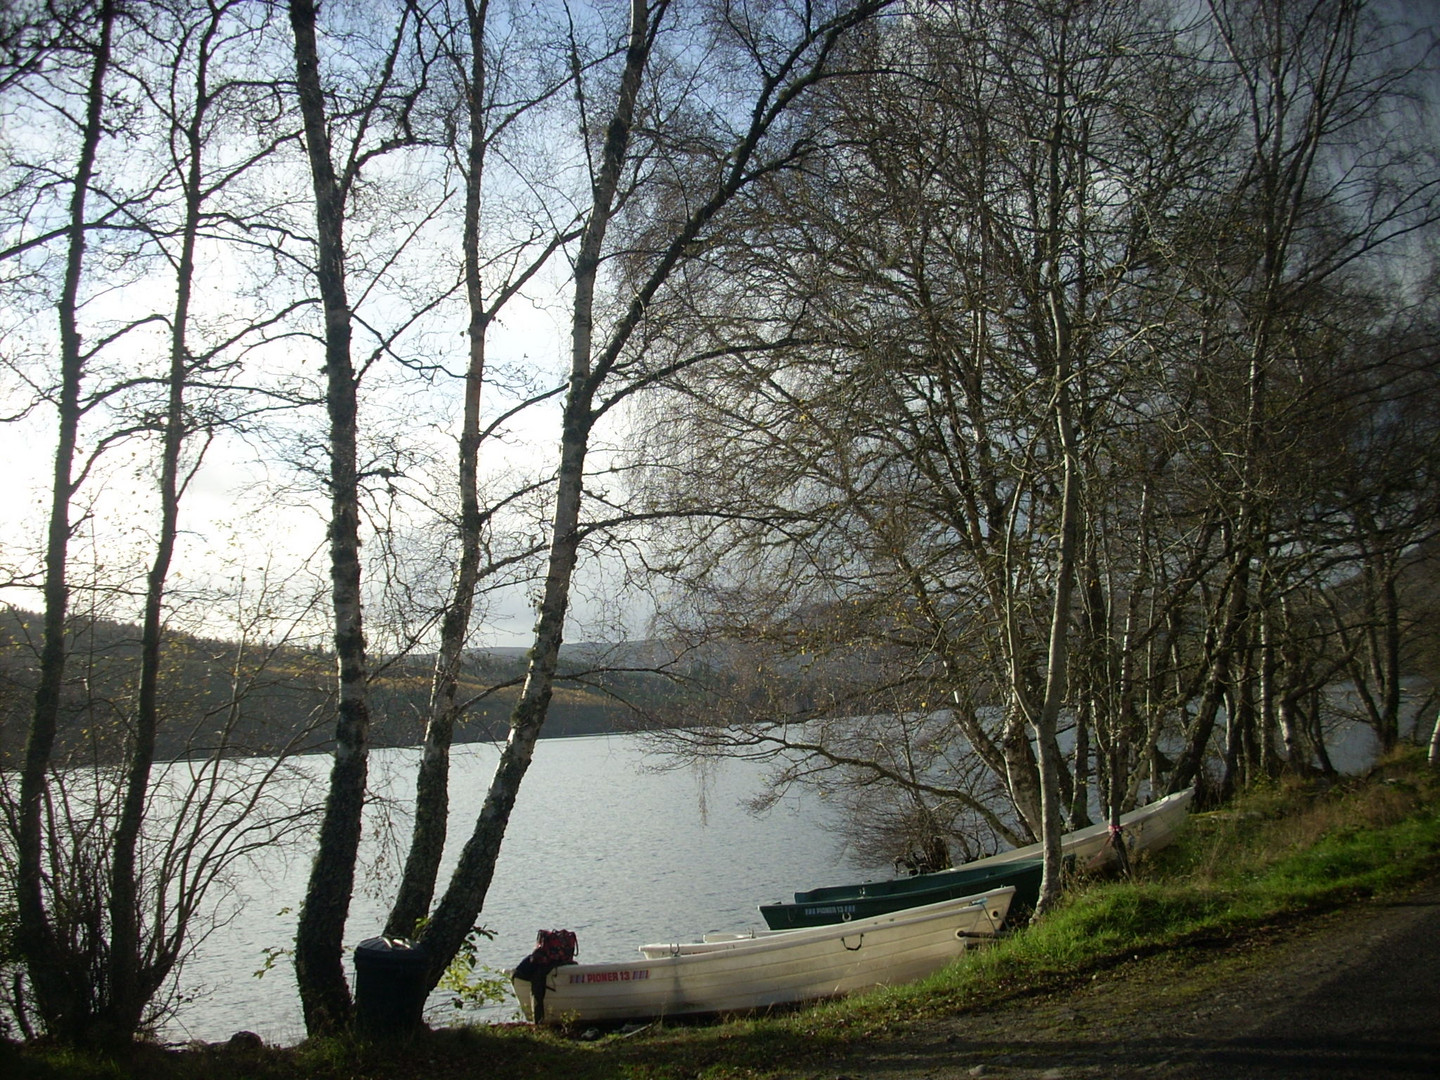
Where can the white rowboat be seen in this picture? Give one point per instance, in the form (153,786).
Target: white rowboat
(984,920)
(1145,829)
(743,973)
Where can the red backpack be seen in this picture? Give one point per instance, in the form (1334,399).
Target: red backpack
(553,947)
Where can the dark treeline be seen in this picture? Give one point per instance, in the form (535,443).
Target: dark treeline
(217,698)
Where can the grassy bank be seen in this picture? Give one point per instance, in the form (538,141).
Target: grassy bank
(1275,858)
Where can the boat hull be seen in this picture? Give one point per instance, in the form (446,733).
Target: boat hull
(1145,829)
(745,973)
(834,904)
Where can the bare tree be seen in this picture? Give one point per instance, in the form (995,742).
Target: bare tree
(489,119)
(108,951)
(56,982)
(609,365)
(190,49)
(382,121)
(1322,190)
(977,486)
(973,276)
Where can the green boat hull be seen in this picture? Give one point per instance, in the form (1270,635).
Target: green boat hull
(841,903)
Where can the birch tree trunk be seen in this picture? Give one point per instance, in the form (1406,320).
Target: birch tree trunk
(456,912)
(319,963)
(1058,657)
(798,67)
(57,984)
(131,987)
(432,781)
(432,797)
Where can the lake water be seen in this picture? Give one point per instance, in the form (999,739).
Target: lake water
(599,843)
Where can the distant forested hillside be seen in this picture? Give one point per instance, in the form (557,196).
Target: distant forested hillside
(259,699)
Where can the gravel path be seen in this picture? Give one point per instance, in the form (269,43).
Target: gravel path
(1354,994)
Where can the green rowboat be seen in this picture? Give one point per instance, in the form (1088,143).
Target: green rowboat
(842,903)
(1092,849)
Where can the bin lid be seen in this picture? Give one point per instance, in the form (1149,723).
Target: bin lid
(391,954)
(385,944)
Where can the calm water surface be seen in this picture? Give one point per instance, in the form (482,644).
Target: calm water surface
(599,843)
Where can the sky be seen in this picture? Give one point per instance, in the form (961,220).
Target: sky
(244,518)
(253,528)
(248,525)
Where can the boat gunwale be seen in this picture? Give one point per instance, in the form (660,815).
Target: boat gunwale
(774,939)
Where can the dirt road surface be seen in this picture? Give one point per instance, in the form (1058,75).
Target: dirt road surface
(1353,994)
